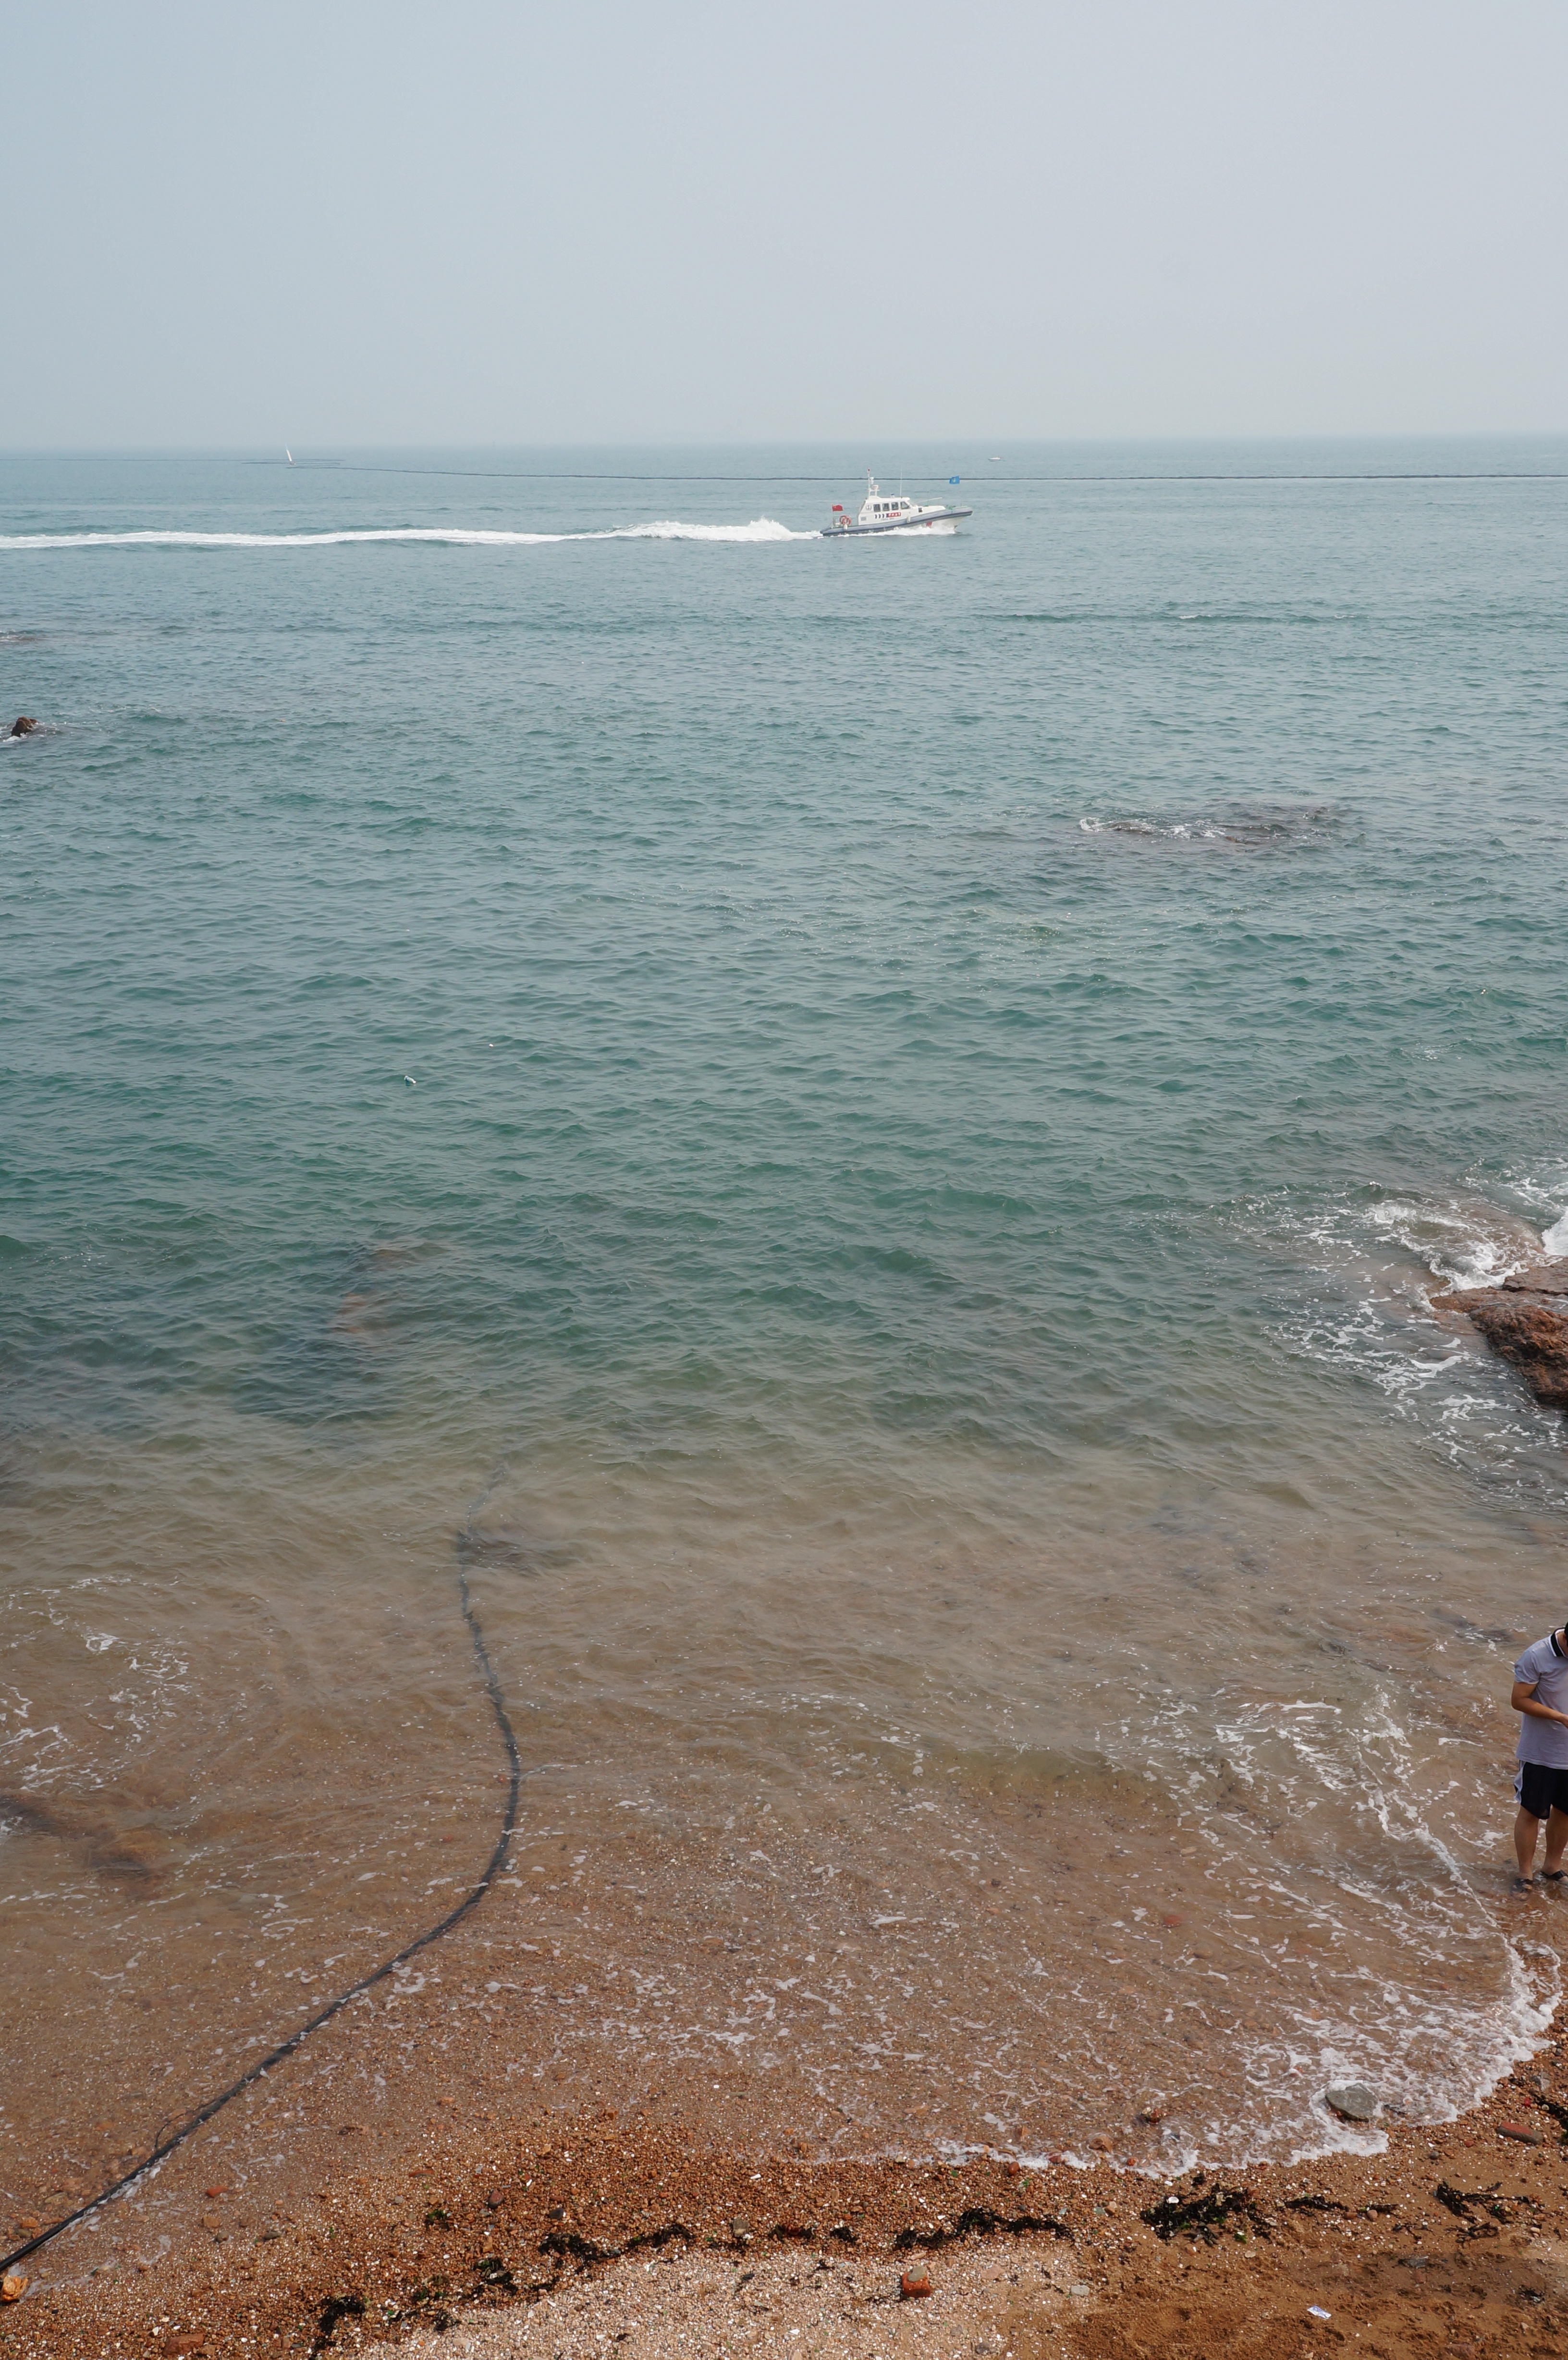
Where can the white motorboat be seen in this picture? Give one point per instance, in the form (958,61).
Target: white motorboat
(891,512)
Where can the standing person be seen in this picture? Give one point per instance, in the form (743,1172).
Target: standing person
(1541,1694)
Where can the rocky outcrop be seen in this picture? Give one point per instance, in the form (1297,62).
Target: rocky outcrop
(23,726)
(1526,1321)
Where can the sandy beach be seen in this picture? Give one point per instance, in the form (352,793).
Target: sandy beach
(570,2233)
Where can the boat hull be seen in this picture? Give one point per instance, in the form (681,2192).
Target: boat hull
(943,520)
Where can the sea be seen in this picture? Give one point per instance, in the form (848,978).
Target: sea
(859,1137)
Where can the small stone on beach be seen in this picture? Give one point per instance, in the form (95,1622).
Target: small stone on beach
(913,2284)
(1525,2133)
(1352,2100)
(13,2287)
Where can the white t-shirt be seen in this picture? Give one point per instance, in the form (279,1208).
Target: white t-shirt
(1544,1669)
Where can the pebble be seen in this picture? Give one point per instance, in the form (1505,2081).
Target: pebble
(196,2342)
(1352,2101)
(13,2287)
(1152,2115)
(29,2221)
(1525,2133)
(914,2283)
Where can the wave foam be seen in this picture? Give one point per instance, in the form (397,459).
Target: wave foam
(1370,1268)
(454,535)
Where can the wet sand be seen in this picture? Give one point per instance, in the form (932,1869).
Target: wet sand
(484,2224)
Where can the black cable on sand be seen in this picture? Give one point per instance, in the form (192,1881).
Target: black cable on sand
(295,2039)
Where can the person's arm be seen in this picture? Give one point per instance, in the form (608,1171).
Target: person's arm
(1524,1699)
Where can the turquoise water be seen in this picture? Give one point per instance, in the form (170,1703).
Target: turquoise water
(821,1062)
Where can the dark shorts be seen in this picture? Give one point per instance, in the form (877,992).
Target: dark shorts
(1542,1787)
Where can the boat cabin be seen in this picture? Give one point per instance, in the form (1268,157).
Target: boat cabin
(880,508)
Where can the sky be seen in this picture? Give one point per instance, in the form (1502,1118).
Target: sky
(494,221)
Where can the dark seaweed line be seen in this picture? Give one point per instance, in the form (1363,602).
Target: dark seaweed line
(295,2039)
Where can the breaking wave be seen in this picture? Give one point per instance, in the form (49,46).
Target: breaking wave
(455,536)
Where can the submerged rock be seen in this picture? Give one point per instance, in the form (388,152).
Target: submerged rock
(1352,2101)
(23,726)
(1525,1320)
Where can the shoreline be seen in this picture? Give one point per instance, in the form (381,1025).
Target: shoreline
(583,2230)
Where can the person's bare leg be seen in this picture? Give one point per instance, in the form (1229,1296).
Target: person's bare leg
(1556,1841)
(1527,1827)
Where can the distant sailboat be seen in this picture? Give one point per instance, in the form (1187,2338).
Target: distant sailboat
(289,454)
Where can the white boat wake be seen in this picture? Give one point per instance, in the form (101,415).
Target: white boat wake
(455,536)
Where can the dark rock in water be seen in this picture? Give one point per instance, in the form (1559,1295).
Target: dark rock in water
(23,726)
(1531,1331)
(1526,1321)
(118,1842)
(1353,2102)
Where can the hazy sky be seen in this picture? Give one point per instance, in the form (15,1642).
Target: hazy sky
(345,222)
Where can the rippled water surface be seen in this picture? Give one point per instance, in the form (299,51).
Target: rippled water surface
(862,1133)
